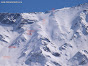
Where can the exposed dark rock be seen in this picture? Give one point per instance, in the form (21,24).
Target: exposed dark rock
(57,64)
(64,46)
(80,57)
(56,54)
(46,49)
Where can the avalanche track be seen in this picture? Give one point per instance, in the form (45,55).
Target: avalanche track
(53,38)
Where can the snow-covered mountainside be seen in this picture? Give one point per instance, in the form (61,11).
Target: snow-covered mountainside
(54,38)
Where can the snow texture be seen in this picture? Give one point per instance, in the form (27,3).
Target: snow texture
(53,38)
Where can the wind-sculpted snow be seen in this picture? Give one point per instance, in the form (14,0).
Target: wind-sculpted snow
(54,38)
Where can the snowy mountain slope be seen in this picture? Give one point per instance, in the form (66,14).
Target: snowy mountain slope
(56,38)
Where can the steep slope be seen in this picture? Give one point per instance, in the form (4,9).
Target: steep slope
(55,38)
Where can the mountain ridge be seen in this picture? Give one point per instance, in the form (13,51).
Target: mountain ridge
(56,38)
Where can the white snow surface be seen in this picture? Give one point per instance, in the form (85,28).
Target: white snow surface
(53,38)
